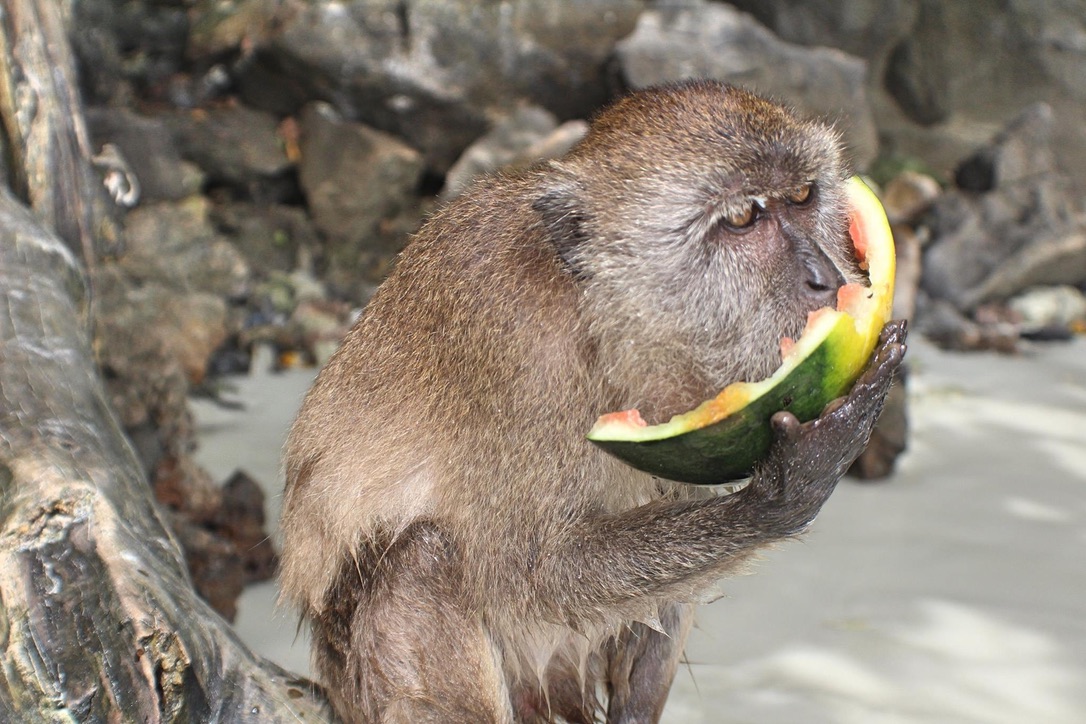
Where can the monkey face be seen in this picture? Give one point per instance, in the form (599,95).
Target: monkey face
(704,223)
(778,254)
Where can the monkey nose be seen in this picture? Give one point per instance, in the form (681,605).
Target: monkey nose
(821,283)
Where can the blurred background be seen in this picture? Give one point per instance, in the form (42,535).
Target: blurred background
(261,162)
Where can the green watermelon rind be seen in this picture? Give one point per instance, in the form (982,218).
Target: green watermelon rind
(729,449)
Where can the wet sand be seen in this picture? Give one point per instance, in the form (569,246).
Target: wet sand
(954,592)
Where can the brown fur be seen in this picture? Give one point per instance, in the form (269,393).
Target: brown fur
(463,553)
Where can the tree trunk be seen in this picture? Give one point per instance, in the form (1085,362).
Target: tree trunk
(48,153)
(98,618)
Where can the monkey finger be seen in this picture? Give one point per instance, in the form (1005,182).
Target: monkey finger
(786,426)
(886,358)
(833,406)
(876,378)
(880,371)
(894,332)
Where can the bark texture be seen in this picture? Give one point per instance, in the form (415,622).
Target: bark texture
(98,618)
(48,154)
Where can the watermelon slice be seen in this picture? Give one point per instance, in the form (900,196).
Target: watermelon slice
(723,438)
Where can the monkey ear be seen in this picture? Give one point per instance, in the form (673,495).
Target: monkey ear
(563,219)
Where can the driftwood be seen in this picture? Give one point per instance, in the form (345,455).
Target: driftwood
(47,147)
(98,618)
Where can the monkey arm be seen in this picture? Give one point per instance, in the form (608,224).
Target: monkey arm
(671,549)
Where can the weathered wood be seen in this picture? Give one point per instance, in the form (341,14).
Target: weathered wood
(98,619)
(49,158)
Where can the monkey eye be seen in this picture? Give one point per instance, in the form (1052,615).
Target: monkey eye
(743,218)
(801,194)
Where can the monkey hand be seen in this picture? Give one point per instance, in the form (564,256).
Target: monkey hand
(806,460)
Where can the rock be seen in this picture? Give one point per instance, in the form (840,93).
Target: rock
(146,383)
(941,322)
(1058,306)
(237,147)
(889,439)
(183,486)
(191,327)
(305,287)
(227,360)
(1056,259)
(163,302)
(361,188)
(916,73)
(125,47)
(700,39)
(527,135)
(148,150)
(183,327)
(321,327)
(867,28)
(1020,152)
(241,520)
(298,319)
(556,143)
(176,245)
(430,71)
(353,176)
(214,563)
(275,297)
(908,244)
(224,26)
(972,65)
(1017,224)
(908,195)
(226,544)
(998,61)
(152,343)
(509,137)
(271,237)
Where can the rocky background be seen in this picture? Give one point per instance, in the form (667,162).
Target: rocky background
(268,158)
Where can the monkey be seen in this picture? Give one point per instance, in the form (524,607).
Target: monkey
(462,553)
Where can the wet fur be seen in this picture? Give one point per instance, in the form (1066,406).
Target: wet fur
(463,554)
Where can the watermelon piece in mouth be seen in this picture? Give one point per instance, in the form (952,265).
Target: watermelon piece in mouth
(722,439)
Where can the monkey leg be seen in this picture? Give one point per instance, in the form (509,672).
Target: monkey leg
(643,666)
(393,646)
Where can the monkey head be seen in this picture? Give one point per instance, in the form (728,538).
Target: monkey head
(704,223)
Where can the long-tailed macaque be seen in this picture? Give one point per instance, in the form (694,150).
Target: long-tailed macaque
(463,554)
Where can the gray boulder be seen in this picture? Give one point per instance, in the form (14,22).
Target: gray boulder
(1046,307)
(272,237)
(175,245)
(709,40)
(148,150)
(866,28)
(526,135)
(360,185)
(237,147)
(126,47)
(946,75)
(429,71)
(1013,222)
(353,177)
